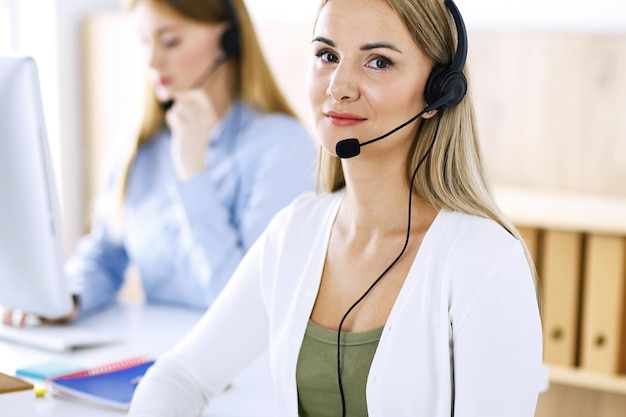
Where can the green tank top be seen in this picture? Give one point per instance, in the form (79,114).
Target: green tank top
(316,372)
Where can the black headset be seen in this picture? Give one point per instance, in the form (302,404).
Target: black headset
(230,38)
(448,80)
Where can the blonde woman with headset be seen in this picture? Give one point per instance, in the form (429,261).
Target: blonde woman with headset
(400,290)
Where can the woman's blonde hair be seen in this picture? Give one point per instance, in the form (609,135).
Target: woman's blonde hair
(453,176)
(253,82)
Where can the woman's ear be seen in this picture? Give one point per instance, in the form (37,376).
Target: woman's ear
(429,114)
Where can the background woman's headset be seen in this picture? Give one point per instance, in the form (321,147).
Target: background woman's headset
(230,38)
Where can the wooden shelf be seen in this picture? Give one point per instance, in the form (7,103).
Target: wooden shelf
(562,210)
(590,380)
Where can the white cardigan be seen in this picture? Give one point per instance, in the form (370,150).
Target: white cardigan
(463,338)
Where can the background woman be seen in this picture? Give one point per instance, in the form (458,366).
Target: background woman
(219,152)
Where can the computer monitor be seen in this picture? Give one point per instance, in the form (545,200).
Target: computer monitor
(31,253)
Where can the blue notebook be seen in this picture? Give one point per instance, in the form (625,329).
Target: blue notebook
(47,370)
(109,386)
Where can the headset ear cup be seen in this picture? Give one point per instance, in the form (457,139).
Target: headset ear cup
(432,92)
(443,80)
(230,42)
(453,81)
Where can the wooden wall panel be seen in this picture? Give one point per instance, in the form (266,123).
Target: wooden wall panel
(551,108)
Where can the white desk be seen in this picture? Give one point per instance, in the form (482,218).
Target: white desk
(146,330)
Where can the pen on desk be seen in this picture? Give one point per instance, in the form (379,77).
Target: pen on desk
(40,391)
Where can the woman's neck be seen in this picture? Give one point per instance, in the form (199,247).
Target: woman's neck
(377,201)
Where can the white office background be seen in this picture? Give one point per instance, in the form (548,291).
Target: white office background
(49,31)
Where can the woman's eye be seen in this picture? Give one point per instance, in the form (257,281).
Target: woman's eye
(380,63)
(170,42)
(327,56)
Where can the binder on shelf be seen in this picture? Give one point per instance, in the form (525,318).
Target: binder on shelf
(111,385)
(603,343)
(560,274)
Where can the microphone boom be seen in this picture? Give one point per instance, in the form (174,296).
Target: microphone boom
(348,148)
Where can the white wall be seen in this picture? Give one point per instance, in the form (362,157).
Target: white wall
(600,15)
(5,26)
(583,15)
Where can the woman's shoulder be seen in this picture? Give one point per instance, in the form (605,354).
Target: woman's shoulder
(275,124)
(482,265)
(470,230)
(473,246)
(276,145)
(474,253)
(145,156)
(156,144)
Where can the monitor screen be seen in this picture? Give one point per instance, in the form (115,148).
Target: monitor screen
(31,253)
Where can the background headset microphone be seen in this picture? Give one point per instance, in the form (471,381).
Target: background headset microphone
(229,44)
(445,88)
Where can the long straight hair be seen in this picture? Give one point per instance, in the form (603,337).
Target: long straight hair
(251,79)
(454,176)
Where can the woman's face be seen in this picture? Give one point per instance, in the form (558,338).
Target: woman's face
(179,52)
(367,75)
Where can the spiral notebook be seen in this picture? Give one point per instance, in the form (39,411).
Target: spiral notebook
(111,385)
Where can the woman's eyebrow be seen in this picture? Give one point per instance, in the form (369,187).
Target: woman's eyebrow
(366,47)
(168,28)
(323,40)
(377,45)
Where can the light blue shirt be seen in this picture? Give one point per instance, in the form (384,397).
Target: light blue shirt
(187,238)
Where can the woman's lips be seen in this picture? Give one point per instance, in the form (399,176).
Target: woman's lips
(163,81)
(343,119)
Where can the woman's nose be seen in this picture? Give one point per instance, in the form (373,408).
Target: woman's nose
(154,58)
(343,84)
